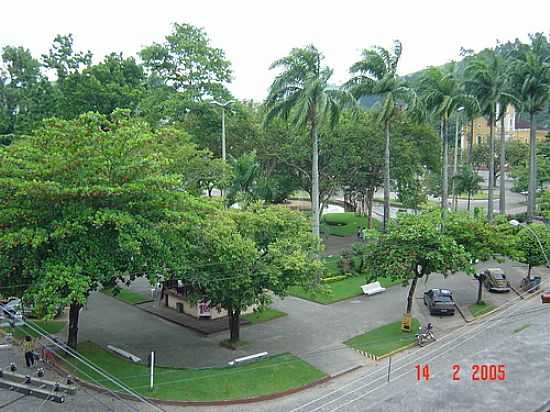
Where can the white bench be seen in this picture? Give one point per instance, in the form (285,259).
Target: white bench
(372,288)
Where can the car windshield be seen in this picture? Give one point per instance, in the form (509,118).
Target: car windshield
(499,276)
(443,298)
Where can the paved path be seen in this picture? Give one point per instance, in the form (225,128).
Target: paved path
(518,338)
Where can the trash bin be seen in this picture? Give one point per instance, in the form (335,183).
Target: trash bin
(179,307)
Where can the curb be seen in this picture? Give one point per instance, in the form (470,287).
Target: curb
(386,355)
(222,402)
(459,309)
(531,296)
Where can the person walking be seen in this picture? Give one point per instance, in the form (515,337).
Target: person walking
(28,348)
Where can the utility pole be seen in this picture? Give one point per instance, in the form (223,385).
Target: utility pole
(223,105)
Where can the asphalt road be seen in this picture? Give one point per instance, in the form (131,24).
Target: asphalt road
(518,338)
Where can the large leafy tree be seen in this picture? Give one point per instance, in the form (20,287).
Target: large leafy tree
(116,82)
(240,258)
(188,63)
(529,250)
(480,239)
(64,59)
(443,93)
(376,75)
(487,75)
(301,93)
(413,248)
(531,80)
(89,201)
(26,96)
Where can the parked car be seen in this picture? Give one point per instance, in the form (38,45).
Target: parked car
(440,301)
(495,281)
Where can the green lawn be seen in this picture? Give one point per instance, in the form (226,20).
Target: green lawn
(345,224)
(341,290)
(479,309)
(384,339)
(274,374)
(127,296)
(331,263)
(264,315)
(49,326)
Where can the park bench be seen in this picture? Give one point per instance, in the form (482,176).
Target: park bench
(372,288)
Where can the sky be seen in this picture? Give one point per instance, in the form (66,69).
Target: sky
(255,33)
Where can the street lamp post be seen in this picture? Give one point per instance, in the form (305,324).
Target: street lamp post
(516,223)
(223,105)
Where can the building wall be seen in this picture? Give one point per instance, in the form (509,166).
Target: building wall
(481,130)
(193,310)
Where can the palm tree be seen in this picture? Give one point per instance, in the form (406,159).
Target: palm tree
(487,75)
(376,75)
(301,94)
(442,93)
(531,80)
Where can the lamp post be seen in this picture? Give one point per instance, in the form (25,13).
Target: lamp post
(516,223)
(223,105)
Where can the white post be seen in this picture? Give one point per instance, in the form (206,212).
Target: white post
(152,369)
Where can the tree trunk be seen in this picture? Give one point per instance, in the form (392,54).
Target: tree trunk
(529,266)
(370,197)
(410,297)
(491,166)
(314,175)
(455,165)
(532,186)
(469,200)
(74,312)
(234,324)
(479,290)
(471,141)
(502,197)
(445,184)
(386,175)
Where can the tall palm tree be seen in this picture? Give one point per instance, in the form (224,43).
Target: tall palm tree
(531,80)
(442,93)
(376,75)
(301,94)
(487,75)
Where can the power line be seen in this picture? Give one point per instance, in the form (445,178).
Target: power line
(89,364)
(464,331)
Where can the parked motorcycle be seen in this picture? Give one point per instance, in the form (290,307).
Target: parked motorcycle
(425,335)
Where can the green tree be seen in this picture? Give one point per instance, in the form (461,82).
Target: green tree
(64,59)
(376,75)
(413,248)
(469,182)
(188,63)
(301,93)
(116,82)
(26,96)
(252,254)
(89,201)
(531,80)
(528,249)
(480,239)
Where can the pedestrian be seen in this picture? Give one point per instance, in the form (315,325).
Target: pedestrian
(28,348)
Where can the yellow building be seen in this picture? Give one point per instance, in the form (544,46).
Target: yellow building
(514,129)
